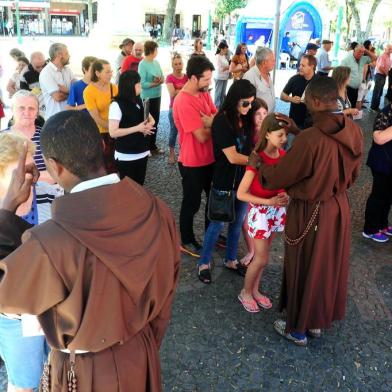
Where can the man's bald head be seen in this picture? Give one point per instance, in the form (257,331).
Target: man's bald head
(321,95)
(138,49)
(37,60)
(359,51)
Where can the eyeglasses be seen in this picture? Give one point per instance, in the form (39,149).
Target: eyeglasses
(245,104)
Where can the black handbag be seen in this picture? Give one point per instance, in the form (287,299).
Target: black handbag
(221,204)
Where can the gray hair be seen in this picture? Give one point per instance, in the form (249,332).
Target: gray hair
(55,49)
(24,93)
(34,55)
(261,54)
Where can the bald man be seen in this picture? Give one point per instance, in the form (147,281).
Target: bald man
(30,79)
(383,66)
(132,61)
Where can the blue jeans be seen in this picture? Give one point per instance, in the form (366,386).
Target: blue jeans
(233,235)
(24,357)
(173,130)
(379,83)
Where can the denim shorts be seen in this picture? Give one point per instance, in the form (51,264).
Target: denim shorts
(24,357)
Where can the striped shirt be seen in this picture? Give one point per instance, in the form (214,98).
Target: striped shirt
(38,158)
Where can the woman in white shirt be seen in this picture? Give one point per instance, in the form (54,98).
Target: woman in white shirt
(130,129)
(222,73)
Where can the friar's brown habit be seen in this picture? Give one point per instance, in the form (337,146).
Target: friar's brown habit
(101,276)
(322,164)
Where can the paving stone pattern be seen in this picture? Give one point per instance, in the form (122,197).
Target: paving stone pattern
(214,345)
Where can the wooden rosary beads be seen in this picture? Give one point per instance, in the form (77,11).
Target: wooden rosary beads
(71,376)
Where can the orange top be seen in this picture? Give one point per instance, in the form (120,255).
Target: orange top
(94,98)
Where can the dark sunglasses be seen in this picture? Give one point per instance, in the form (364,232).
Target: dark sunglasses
(245,104)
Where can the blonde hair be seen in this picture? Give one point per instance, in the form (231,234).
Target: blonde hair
(11,148)
(175,56)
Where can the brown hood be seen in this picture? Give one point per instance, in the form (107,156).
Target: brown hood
(122,225)
(340,128)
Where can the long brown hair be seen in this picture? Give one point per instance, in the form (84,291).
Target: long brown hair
(270,124)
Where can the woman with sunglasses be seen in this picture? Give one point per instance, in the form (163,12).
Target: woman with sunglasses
(232,142)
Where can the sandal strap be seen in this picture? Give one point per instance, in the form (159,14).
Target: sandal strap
(205,275)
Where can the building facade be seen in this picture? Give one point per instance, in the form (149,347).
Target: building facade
(44,17)
(70,17)
(189,15)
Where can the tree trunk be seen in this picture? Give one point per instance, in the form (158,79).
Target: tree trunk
(369,24)
(355,13)
(169,23)
(90,14)
(348,22)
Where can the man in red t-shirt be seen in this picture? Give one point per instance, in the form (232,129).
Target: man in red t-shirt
(131,62)
(193,112)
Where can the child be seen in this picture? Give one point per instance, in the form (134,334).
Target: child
(259,113)
(267,213)
(75,97)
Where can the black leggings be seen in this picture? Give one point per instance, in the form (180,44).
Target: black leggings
(379,203)
(136,170)
(155,110)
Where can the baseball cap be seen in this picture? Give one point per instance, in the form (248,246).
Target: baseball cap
(127,41)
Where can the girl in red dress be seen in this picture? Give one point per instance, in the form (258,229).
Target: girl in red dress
(267,213)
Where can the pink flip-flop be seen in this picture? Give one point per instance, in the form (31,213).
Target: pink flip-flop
(249,306)
(263,301)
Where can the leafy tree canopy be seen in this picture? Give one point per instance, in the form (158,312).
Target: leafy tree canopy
(226,7)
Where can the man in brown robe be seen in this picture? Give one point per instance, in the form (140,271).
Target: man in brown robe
(316,172)
(100,274)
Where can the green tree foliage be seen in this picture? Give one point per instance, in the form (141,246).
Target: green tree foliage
(226,7)
(354,8)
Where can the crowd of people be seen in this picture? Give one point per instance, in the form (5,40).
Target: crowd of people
(262,173)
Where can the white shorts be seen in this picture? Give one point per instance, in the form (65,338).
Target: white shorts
(264,220)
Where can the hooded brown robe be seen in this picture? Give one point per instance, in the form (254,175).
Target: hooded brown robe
(322,164)
(101,276)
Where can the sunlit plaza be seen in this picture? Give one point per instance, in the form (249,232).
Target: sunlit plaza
(212,344)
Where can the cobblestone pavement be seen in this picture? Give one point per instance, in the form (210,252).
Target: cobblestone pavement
(214,345)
